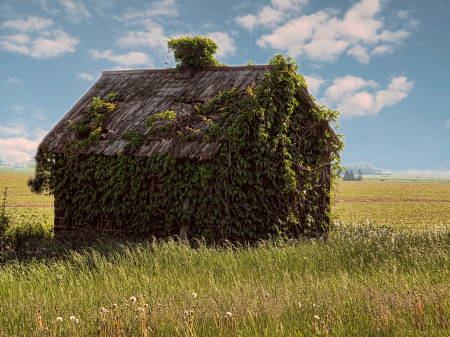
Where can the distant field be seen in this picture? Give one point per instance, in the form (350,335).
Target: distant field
(26,206)
(400,203)
(404,204)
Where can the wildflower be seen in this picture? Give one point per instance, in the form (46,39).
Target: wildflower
(299,304)
(194,295)
(114,306)
(229,314)
(39,318)
(267,295)
(192,313)
(145,305)
(133,299)
(314,305)
(128,305)
(102,309)
(140,309)
(59,319)
(77,321)
(316,317)
(72,318)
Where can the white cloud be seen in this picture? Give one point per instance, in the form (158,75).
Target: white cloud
(30,24)
(18,108)
(403,14)
(76,10)
(14,80)
(39,134)
(448,124)
(151,34)
(241,6)
(383,49)
(314,83)
(38,114)
(346,95)
(157,8)
(248,21)
(17,149)
(360,53)
(14,129)
(324,36)
(225,43)
(270,15)
(288,4)
(49,44)
(154,37)
(129,59)
(86,77)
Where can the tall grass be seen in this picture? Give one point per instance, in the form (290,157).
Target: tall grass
(362,281)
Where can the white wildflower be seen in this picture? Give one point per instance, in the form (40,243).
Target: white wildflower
(133,299)
(316,317)
(59,319)
(72,318)
(194,295)
(229,314)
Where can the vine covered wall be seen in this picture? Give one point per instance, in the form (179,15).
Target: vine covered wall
(272,176)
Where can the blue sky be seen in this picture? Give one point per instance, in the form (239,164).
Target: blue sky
(385,65)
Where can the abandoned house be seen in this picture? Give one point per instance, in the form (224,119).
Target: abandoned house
(231,152)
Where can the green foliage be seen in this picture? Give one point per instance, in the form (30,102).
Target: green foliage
(5,219)
(89,128)
(202,54)
(168,114)
(249,63)
(270,178)
(135,138)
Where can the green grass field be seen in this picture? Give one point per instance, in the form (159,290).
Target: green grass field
(403,204)
(365,280)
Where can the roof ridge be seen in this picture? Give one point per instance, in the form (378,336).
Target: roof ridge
(168,70)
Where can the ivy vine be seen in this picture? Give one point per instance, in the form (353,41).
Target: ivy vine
(197,51)
(272,176)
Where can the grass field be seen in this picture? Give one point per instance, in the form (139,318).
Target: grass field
(403,204)
(366,280)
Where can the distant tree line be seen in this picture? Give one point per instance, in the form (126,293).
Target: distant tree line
(350,176)
(365,168)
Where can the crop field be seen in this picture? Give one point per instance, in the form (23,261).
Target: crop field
(367,279)
(402,204)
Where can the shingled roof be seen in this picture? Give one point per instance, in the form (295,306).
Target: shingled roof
(146,92)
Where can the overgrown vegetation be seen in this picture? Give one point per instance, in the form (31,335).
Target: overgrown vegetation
(197,51)
(362,281)
(269,179)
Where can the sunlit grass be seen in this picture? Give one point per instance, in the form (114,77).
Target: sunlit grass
(401,204)
(362,281)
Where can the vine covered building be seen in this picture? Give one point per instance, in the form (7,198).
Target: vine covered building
(225,152)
